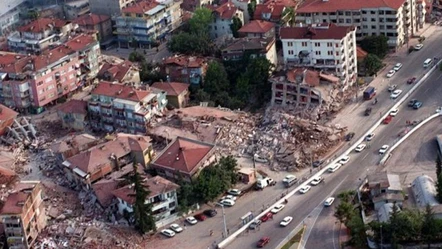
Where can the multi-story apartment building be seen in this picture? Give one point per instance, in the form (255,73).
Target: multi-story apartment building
(162,197)
(38,35)
(108,7)
(253,47)
(187,69)
(324,46)
(395,19)
(10,15)
(29,82)
(94,22)
(23,215)
(76,8)
(147,21)
(223,19)
(124,108)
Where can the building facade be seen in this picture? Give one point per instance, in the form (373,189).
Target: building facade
(73,114)
(88,49)
(94,22)
(23,215)
(117,107)
(326,47)
(253,47)
(10,15)
(7,117)
(177,92)
(108,7)
(258,29)
(187,69)
(397,20)
(147,22)
(223,19)
(75,9)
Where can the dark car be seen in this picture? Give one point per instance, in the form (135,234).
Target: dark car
(417,105)
(349,136)
(200,217)
(411,80)
(263,241)
(411,102)
(317,163)
(367,111)
(210,212)
(266,217)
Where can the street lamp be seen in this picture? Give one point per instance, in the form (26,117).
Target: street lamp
(224,218)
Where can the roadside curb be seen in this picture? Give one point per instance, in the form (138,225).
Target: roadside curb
(302,236)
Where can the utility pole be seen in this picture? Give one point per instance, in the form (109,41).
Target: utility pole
(224,218)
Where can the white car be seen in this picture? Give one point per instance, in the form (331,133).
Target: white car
(390,73)
(234,192)
(176,228)
(369,137)
(334,167)
(344,160)
(418,46)
(227,202)
(360,147)
(316,181)
(392,88)
(167,232)
(383,149)
(286,221)
(394,112)
(277,208)
(329,201)
(304,189)
(397,67)
(288,178)
(191,220)
(395,94)
(229,197)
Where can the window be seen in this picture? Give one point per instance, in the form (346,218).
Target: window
(373,19)
(381,12)
(337,53)
(373,26)
(304,44)
(364,26)
(340,20)
(381,26)
(348,20)
(373,12)
(364,19)
(317,44)
(40,83)
(50,87)
(318,52)
(290,44)
(348,13)
(290,52)
(364,12)
(329,44)
(49,79)
(329,52)
(40,92)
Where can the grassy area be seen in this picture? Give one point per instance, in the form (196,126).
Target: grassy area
(294,239)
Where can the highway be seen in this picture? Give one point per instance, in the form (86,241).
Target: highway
(299,206)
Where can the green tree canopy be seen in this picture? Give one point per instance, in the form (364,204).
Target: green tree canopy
(429,226)
(235,26)
(372,64)
(216,80)
(199,23)
(357,231)
(251,7)
(377,45)
(191,44)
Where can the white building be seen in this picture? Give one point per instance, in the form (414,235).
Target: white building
(375,17)
(223,18)
(9,14)
(163,197)
(326,47)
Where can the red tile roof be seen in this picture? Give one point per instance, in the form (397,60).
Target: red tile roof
(156,185)
(360,53)
(225,11)
(13,202)
(285,3)
(274,10)
(103,190)
(171,88)
(257,26)
(43,24)
(186,61)
(117,72)
(183,155)
(90,19)
(74,106)
(8,58)
(324,32)
(120,91)
(81,42)
(140,7)
(311,6)
(6,113)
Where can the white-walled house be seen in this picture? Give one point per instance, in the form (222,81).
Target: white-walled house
(326,47)
(222,19)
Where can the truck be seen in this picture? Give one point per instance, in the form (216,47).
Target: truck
(369,93)
(262,183)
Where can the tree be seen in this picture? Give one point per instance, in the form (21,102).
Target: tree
(347,196)
(372,64)
(377,45)
(150,73)
(142,211)
(235,26)
(289,15)
(216,80)
(258,72)
(251,7)
(357,231)
(429,232)
(439,188)
(199,23)
(136,57)
(438,164)
(345,211)
(190,44)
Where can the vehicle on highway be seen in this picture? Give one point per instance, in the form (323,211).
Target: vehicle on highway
(439,109)
(411,102)
(227,202)
(383,149)
(229,197)
(210,212)
(266,217)
(167,232)
(418,46)
(417,105)
(344,160)
(191,220)
(390,73)
(367,111)
(316,181)
(392,88)
(370,136)
(360,147)
(369,93)
(304,189)
(395,93)
(263,241)
(349,136)
(289,180)
(411,80)
(277,208)
(255,224)
(333,168)
(397,67)
(428,62)
(387,120)
(262,183)
(200,217)
(394,112)
(176,228)
(329,201)
(317,163)
(235,192)
(286,221)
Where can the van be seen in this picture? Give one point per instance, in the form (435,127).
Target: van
(428,62)
(289,180)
